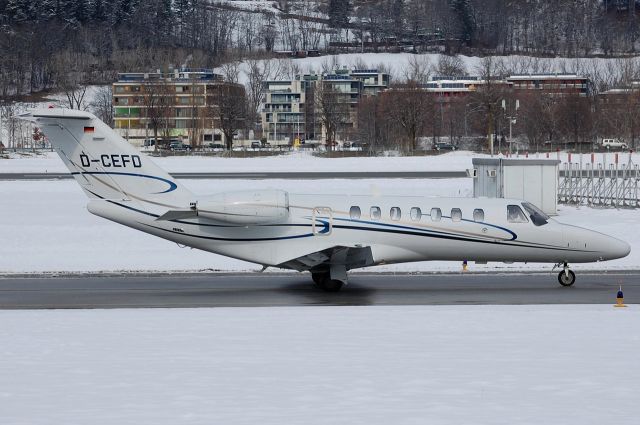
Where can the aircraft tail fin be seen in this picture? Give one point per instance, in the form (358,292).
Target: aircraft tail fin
(104,164)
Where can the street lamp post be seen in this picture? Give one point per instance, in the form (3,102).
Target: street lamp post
(512,116)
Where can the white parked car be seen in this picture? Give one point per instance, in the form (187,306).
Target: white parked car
(614,143)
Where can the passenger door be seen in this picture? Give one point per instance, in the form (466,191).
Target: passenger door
(322,221)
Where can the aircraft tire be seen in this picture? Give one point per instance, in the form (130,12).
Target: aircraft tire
(567,280)
(330,285)
(318,277)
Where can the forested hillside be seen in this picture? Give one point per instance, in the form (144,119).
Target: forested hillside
(53,43)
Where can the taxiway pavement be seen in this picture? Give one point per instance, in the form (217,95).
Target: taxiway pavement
(292,289)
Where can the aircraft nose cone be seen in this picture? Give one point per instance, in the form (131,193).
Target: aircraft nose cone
(615,248)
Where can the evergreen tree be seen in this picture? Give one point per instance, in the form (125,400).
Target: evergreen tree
(463,11)
(183,9)
(80,11)
(339,11)
(164,18)
(125,9)
(165,12)
(64,10)
(99,13)
(397,17)
(48,10)
(21,11)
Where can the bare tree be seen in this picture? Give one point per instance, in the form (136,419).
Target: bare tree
(450,66)
(258,71)
(418,69)
(268,32)
(231,71)
(250,32)
(70,79)
(489,95)
(158,101)
(197,113)
(227,104)
(331,110)
(409,105)
(102,104)
(575,119)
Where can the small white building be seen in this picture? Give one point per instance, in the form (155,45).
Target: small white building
(533,180)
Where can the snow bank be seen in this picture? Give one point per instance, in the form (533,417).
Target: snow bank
(317,365)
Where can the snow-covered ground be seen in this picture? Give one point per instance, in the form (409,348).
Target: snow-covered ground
(319,365)
(305,161)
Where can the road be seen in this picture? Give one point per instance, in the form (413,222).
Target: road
(267,290)
(311,175)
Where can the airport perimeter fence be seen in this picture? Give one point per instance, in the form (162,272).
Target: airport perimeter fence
(602,183)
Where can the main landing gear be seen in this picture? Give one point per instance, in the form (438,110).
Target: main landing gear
(323,281)
(566,277)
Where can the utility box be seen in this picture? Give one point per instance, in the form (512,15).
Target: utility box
(532,180)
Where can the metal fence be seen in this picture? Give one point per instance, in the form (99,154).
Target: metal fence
(605,184)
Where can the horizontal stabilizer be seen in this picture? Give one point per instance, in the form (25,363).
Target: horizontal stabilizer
(177,214)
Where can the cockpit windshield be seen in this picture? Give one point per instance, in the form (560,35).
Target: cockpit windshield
(538,217)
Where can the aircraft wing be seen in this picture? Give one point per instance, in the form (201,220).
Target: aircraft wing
(349,257)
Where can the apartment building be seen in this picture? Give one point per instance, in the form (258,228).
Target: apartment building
(177,104)
(447,88)
(553,84)
(298,108)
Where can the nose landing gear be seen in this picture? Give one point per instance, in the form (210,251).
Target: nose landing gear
(566,277)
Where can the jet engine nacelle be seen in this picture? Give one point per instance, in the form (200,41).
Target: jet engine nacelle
(246,207)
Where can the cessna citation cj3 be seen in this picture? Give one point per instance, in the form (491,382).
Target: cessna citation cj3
(326,235)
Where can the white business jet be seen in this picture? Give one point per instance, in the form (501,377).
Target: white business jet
(326,235)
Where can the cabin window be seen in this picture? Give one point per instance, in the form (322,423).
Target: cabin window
(456,214)
(515,214)
(355,213)
(436,214)
(416,214)
(478,214)
(376,213)
(395,213)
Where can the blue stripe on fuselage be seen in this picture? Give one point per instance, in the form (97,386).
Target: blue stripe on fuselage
(172,185)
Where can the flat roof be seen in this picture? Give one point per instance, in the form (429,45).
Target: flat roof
(524,162)
(546,77)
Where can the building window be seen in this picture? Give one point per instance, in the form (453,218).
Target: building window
(416,214)
(182,124)
(436,214)
(456,214)
(355,213)
(478,214)
(395,213)
(376,213)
